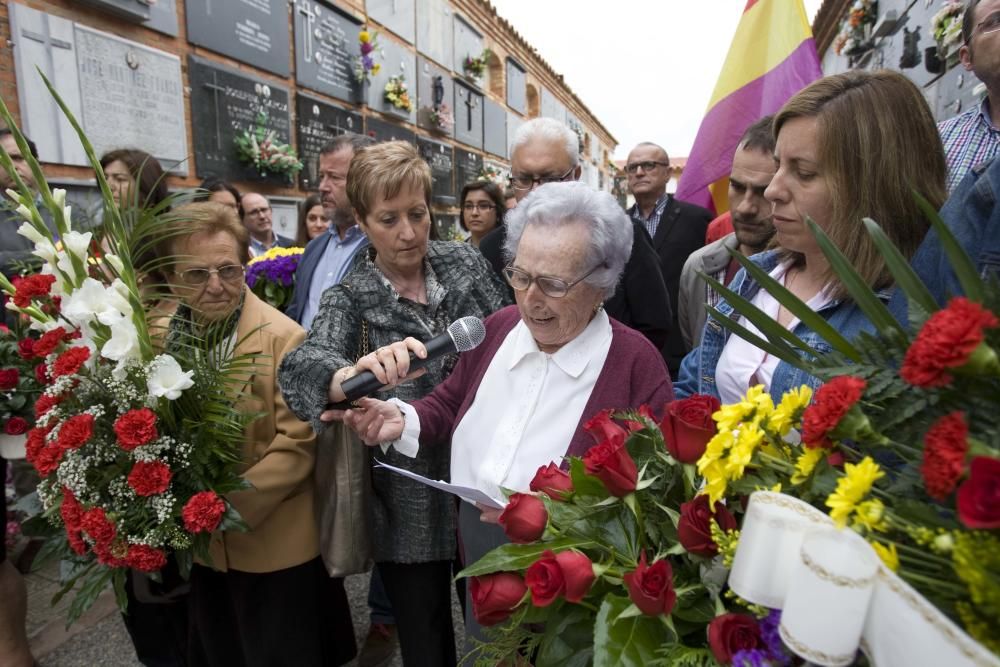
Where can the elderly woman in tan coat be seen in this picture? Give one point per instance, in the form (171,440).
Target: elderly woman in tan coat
(264,598)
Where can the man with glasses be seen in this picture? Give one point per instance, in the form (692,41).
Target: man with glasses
(257,220)
(676,228)
(543,151)
(973,137)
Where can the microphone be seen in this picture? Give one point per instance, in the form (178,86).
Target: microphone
(462,335)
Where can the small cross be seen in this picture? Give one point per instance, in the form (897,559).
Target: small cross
(308,17)
(470,104)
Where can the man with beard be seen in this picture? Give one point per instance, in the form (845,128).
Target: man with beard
(328,257)
(753,169)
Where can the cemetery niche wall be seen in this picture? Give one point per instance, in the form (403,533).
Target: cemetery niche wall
(317,123)
(251,31)
(326,45)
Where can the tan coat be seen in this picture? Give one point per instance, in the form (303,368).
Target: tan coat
(279,455)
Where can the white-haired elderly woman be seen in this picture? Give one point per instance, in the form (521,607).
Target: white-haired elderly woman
(519,401)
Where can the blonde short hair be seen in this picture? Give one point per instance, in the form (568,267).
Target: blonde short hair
(382,171)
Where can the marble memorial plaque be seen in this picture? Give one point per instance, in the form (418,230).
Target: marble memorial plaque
(163,17)
(440,157)
(468,42)
(224,104)
(435,30)
(398,16)
(517,87)
(251,31)
(130,10)
(467,167)
(397,60)
(381,130)
(316,124)
(434,86)
(326,48)
(468,115)
(494,128)
(513,122)
(552,107)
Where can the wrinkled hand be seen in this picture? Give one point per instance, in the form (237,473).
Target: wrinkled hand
(488,514)
(389,364)
(375,421)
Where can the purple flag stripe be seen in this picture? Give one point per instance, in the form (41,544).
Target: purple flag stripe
(724,124)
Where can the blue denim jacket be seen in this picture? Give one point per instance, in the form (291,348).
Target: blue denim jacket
(972,215)
(697,373)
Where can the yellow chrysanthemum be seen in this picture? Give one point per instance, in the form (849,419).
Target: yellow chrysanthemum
(715,481)
(750,437)
(806,463)
(888,555)
(852,488)
(364,37)
(871,515)
(715,449)
(793,402)
(376,67)
(275,252)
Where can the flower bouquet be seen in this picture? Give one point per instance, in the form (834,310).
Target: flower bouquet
(475,66)
(271,276)
(946,28)
(397,94)
(441,118)
(21,381)
(365,66)
(259,147)
(136,437)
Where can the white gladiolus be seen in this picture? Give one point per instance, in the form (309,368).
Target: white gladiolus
(46,251)
(59,196)
(68,215)
(13,194)
(77,243)
(115,261)
(124,341)
(24,212)
(118,298)
(28,231)
(166,379)
(87,302)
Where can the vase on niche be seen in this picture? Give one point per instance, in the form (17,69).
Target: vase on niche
(361,91)
(12,446)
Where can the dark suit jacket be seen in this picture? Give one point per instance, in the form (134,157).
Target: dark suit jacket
(681,232)
(304,275)
(640,300)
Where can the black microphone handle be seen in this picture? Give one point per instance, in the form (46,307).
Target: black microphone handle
(366,383)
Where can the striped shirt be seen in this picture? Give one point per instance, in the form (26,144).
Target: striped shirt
(969,139)
(653,221)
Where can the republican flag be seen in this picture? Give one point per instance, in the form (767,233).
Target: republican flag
(772,57)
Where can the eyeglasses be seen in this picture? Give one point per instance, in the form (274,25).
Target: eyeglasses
(230,273)
(528,182)
(259,211)
(478,206)
(553,287)
(990,24)
(646,166)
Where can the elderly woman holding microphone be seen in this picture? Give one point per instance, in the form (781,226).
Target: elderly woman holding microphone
(519,401)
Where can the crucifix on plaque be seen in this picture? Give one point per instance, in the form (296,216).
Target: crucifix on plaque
(308,17)
(470,104)
(215,88)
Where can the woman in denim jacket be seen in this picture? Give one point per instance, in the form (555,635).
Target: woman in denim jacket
(848,146)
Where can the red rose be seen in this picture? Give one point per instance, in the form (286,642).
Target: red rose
(136,428)
(577,572)
(70,361)
(70,510)
(9,378)
(41,374)
(947,340)
(643,411)
(145,558)
(979,496)
(945,447)
(26,348)
(524,518)
(203,512)
(731,633)
(831,403)
(688,426)
(552,481)
(96,524)
(76,431)
(30,287)
(652,588)
(694,528)
(545,580)
(149,478)
(495,596)
(49,341)
(16,426)
(602,427)
(610,462)
(46,403)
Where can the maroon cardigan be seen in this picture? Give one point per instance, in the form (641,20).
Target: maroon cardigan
(634,374)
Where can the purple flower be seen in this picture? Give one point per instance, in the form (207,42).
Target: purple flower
(366,48)
(367,62)
(752,658)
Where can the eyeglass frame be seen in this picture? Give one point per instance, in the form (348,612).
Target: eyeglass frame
(538,180)
(632,168)
(479,206)
(510,269)
(209,272)
(976,30)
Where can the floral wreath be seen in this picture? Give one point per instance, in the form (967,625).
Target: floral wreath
(397,94)
(259,147)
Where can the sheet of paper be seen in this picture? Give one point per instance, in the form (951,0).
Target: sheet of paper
(463,492)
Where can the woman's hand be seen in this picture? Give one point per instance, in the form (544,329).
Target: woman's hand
(376,421)
(389,364)
(488,514)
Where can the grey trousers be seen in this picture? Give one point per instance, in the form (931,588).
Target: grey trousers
(477,538)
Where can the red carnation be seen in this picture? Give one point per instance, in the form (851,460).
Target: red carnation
(49,341)
(495,596)
(26,348)
(30,287)
(96,524)
(70,510)
(552,481)
(610,462)
(203,512)
(136,428)
(35,442)
(46,403)
(946,445)
(47,459)
(149,478)
(829,406)
(76,431)
(76,542)
(145,558)
(688,426)
(69,362)
(16,426)
(652,588)
(979,495)
(947,340)
(602,427)
(41,374)
(9,378)
(694,529)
